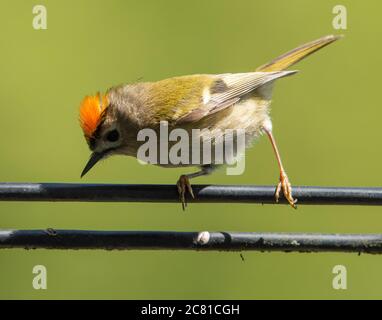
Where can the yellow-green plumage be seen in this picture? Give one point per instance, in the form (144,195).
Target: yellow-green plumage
(170,104)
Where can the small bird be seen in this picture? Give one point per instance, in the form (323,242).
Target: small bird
(112,121)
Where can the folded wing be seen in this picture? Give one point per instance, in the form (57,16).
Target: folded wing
(228,89)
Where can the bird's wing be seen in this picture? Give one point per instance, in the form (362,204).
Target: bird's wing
(227,90)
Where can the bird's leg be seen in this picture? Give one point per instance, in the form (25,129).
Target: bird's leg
(284,183)
(184,184)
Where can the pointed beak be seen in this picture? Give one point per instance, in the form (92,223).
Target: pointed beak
(94,158)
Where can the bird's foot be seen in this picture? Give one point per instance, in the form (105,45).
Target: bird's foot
(286,187)
(184,186)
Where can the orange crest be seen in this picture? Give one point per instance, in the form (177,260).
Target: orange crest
(91,111)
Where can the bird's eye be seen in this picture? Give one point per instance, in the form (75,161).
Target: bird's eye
(112,136)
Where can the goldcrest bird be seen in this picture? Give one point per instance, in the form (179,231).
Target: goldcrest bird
(112,121)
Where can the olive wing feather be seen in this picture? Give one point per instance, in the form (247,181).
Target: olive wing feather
(227,90)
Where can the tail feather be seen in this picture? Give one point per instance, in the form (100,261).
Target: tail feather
(287,59)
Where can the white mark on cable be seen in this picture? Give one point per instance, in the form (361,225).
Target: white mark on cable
(203,237)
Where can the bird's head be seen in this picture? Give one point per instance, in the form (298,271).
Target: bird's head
(99,122)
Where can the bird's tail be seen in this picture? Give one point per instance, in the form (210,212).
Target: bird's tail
(287,59)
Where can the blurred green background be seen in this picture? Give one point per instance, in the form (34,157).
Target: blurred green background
(326,120)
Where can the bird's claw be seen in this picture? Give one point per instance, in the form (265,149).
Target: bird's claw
(286,187)
(184,186)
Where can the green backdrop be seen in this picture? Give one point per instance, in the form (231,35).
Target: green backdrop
(326,120)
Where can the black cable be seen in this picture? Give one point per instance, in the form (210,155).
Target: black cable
(163,240)
(168,193)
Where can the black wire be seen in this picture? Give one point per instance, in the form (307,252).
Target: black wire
(168,193)
(163,240)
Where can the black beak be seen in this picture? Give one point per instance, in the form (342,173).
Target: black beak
(94,158)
